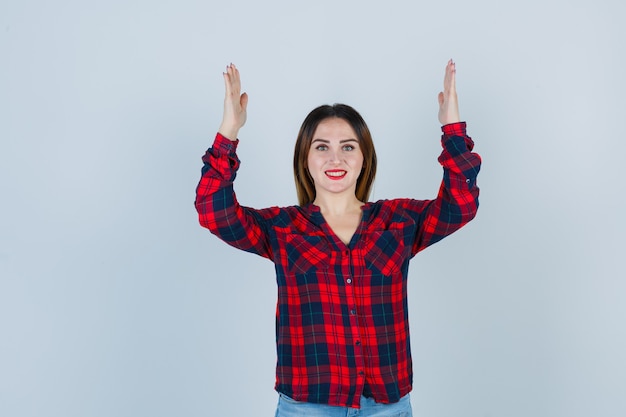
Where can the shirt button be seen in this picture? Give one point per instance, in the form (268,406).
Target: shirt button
(349,281)
(358,343)
(467,180)
(353,312)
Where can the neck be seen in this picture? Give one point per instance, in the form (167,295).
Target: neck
(337,204)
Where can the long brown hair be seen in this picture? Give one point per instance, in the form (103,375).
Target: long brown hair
(304,182)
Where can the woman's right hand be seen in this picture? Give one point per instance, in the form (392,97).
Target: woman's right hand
(235,104)
(448,101)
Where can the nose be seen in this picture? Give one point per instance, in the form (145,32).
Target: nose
(334,156)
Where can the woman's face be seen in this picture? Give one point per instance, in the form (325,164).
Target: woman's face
(335,159)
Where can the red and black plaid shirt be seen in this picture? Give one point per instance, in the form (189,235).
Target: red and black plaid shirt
(341,321)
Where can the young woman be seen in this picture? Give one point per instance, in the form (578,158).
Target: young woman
(341,261)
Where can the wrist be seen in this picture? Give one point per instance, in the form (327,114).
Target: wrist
(228,132)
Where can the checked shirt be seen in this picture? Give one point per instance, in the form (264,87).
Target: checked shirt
(341,320)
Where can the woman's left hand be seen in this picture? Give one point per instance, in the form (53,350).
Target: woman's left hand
(448,103)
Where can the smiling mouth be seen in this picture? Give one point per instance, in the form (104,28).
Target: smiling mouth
(336,174)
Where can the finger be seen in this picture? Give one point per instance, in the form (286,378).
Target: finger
(234,71)
(227,83)
(448,80)
(235,80)
(230,81)
(452,76)
(244,101)
(231,77)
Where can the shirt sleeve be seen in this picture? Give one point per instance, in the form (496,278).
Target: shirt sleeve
(457,200)
(217,205)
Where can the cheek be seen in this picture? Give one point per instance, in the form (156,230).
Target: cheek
(358,161)
(315,160)
(312,167)
(310,162)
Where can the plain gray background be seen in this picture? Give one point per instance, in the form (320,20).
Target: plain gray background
(115,302)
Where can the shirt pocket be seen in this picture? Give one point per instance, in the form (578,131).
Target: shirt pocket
(306,253)
(385,252)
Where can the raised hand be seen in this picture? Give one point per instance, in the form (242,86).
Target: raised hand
(448,102)
(235,104)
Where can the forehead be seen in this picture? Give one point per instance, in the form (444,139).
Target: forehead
(334,128)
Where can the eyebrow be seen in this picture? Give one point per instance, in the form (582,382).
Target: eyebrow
(341,141)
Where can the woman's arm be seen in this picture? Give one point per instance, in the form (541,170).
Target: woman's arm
(457,200)
(216,202)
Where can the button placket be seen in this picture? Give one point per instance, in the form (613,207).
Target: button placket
(348,272)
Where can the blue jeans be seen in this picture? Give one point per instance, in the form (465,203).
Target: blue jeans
(369,408)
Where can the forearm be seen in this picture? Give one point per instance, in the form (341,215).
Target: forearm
(458,193)
(457,155)
(457,200)
(217,205)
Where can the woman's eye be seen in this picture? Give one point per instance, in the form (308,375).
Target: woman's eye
(348,148)
(321,147)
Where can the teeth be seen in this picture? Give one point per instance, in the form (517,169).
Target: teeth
(336,173)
